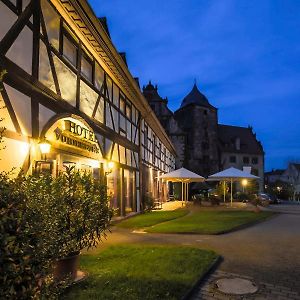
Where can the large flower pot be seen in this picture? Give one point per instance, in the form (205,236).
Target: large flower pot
(67,267)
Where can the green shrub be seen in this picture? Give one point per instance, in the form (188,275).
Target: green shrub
(21,268)
(197,199)
(148,202)
(214,200)
(42,219)
(83,213)
(240,196)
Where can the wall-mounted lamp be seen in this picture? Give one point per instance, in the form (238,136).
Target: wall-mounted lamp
(109,167)
(45,147)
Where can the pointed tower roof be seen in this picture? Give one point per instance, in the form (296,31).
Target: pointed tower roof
(195,97)
(151,94)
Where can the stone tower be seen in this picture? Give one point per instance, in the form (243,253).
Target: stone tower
(166,117)
(199,119)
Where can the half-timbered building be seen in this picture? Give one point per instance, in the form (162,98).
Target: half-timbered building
(69,99)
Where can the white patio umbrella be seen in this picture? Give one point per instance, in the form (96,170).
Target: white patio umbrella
(231,174)
(185,177)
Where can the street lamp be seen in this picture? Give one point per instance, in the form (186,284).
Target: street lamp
(45,147)
(244,184)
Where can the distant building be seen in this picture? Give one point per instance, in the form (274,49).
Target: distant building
(202,144)
(292,176)
(274,176)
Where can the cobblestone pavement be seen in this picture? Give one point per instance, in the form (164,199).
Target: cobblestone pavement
(267,291)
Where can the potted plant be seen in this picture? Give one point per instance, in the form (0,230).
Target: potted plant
(82,217)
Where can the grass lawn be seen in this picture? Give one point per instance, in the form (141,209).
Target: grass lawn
(152,218)
(209,222)
(141,272)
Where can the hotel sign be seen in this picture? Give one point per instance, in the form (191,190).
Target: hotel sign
(74,136)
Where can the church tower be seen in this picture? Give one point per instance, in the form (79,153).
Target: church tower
(199,119)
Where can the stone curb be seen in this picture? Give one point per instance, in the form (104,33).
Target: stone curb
(209,271)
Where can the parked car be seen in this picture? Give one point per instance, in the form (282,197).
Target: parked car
(267,199)
(274,199)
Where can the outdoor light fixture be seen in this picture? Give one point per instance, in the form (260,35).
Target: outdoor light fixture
(45,147)
(244,184)
(109,167)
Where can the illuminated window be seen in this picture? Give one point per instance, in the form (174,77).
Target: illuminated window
(128,111)
(87,68)
(109,88)
(122,104)
(122,123)
(99,76)
(70,50)
(116,95)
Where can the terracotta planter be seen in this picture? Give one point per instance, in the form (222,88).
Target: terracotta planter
(67,267)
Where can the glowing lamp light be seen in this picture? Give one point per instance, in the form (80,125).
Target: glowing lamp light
(109,167)
(45,147)
(244,182)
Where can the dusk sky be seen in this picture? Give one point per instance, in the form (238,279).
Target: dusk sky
(245,56)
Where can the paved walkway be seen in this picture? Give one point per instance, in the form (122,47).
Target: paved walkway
(268,252)
(267,291)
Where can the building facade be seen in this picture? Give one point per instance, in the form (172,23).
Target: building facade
(68,88)
(203,145)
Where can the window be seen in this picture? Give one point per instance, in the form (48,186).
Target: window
(99,76)
(255,160)
(254,172)
(13,2)
(115,95)
(206,159)
(205,112)
(70,50)
(122,123)
(205,145)
(87,68)
(122,104)
(128,111)
(232,159)
(246,160)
